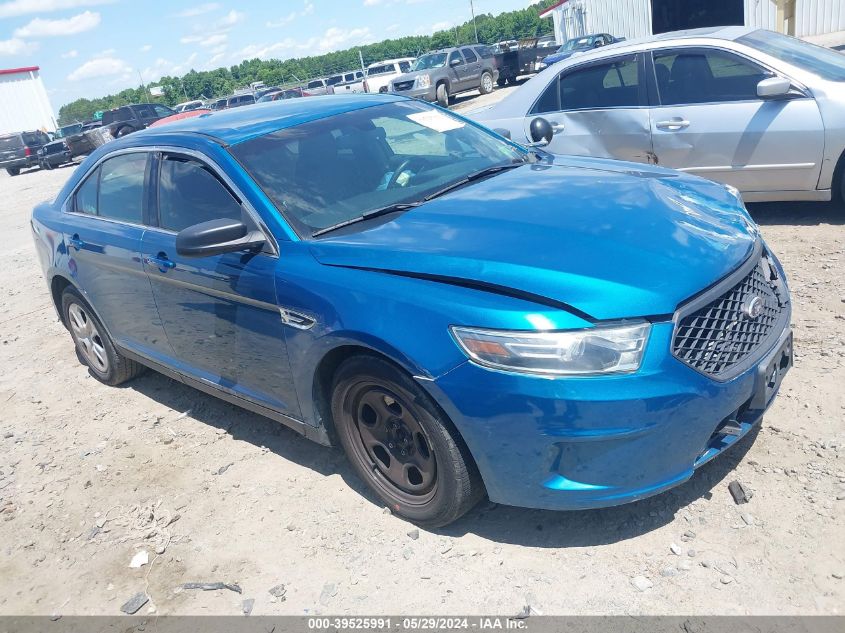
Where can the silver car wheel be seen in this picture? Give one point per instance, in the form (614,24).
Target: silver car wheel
(487,83)
(88,339)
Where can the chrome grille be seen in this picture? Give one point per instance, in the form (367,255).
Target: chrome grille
(403,85)
(717,337)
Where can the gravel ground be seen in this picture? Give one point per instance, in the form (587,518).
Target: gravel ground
(91,476)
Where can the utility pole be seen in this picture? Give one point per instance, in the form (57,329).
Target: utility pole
(472,11)
(143,85)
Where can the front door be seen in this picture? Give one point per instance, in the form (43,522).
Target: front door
(220,313)
(709,121)
(102,231)
(598,109)
(457,72)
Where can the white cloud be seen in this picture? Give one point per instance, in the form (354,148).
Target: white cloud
(372,3)
(100,67)
(146,48)
(27,7)
(333,39)
(440,26)
(163,67)
(230,19)
(53,28)
(290,17)
(70,54)
(15,46)
(200,9)
(215,39)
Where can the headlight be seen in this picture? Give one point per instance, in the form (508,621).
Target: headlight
(423,81)
(599,350)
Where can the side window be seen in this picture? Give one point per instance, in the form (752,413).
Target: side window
(611,85)
(163,112)
(705,76)
(455,55)
(485,52)
(123,114)
(121,194)
(469,55)
(550,99)
(85,200)
(405,67)
(315,84)
(189,193)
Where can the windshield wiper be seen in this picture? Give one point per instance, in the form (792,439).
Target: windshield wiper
(472,178)
(369,215)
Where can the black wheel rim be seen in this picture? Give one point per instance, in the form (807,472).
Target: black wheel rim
(392,444)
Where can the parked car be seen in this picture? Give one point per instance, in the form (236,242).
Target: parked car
(439,75)
(319,87)
(188,106)
(237,101)
(579,45)
(54,154)
(186,114)
(760,111)
(131,118)
(264,91)
(381,73)
(20,150)
(349,81)
(464,315)
(522,58)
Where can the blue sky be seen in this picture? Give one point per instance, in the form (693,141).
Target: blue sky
(90,48)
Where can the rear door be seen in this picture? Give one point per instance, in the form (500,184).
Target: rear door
(709,121)
(220,313)
(598,109)
(473,67)
(103,226)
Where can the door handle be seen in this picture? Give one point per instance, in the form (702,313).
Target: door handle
(557,128)
(76,243)
(676,123)
(161,262)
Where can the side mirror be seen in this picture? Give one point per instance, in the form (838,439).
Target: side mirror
(773,87)
(502,132)
(541,131)
(216,237)
(598,44)
(455,62)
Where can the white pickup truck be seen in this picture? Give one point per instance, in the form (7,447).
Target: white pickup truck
(380,73)
(346,82)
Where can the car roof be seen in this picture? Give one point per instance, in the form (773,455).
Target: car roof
(241,124)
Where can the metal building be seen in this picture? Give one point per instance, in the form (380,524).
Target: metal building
(638,18)
(23,101)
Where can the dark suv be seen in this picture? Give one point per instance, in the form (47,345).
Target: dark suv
(20,150)
(131,118)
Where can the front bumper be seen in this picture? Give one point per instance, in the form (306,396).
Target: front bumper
(428,94)
(577,443)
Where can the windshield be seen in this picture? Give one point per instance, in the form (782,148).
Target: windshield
(328,171)
(68,130)
(580,42)
(432,60)
(823,62)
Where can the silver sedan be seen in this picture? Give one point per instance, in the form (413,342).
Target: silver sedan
(761,111)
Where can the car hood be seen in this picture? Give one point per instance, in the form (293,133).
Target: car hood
(611,240)
(557,57)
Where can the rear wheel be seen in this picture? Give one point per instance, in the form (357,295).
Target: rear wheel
(501,81)
(443,95)
(486,83)
(93,345)
(13,171)
(401,444)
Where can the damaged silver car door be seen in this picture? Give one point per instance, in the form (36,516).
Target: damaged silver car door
(598,109)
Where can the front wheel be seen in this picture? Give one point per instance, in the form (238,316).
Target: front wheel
(13,171)
(442,96)
(93,345)
(401,444)
(486,84)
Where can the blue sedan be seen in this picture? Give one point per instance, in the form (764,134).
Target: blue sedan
(464,315)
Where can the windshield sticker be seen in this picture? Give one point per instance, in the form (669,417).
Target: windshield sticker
(436,121)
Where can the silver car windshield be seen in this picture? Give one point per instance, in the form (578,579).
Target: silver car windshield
(434,60)
(824,62)
(338,168)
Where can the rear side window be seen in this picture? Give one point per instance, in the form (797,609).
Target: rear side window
(485,52)
(32,138)
(189,193)
(86,195)
(705,76)
(315,84)
(469,55)
(10,142)
(121,192)
(405,67)
(611,85)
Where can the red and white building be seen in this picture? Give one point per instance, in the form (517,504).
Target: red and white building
(24,104)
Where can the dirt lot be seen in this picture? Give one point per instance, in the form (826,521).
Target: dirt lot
(91,475)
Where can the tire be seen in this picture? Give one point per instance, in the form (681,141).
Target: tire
(486,86)
(13,171)
(501,81)
(123,132)
(442,95)
(94,348)
(401,444)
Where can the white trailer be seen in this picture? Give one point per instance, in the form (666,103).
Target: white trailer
(24,104)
